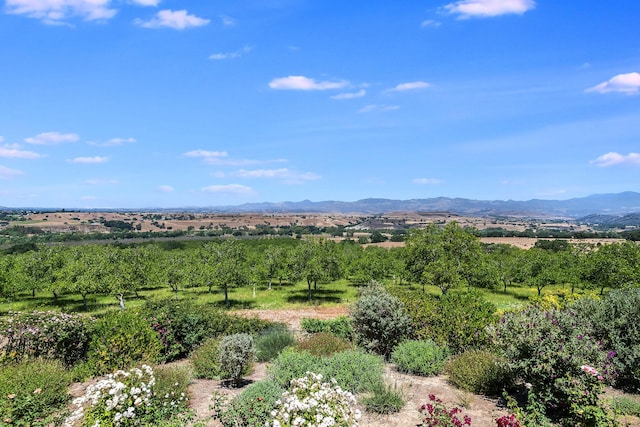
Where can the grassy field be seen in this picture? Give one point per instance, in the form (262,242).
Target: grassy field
(287,295)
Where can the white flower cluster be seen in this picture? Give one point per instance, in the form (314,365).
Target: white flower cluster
(122,398)
(312,403)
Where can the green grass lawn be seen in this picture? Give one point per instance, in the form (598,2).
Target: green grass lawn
(287,295)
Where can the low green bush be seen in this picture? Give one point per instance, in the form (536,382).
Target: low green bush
(423,358)
(204,360)
(324,344)
(354,370)
(33,392)
(236,354)
(183,325)
(271,342)
(250,408)
(379,320)
(48,334)
(623,405)
(384,399)
(457,319)
(122,339)
(340,326)
(170,386)
(478,371)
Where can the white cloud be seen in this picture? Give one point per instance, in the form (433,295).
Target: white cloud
(613,159)
(430,23)
(56,11)
(52,138)
(227,21)
(231,55)
(229,188)
(350,95)
(205,153)
(410,86)
(282,174)
(176,19)
(624,83)
(113,142)
(7,173)
(146,2)
(427,181)
(13,152)
(377,108)
(166,188)
(102,181)
(488,8)
(304,83)
(89,160)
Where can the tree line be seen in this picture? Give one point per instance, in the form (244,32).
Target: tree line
(444,256)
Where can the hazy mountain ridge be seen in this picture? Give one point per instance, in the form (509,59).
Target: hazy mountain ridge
(609,205)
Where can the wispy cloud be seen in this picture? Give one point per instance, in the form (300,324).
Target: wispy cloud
(52,138)
(615,159)
(89,160)
(229,188)
(377,108)
(14,152)
(146,2)
(227,21)
(624,83)
(305,83)
(350,95)
(429,23)
(8,173)
(403,87)
(55,12)
(427,181)
(166,189)
(488,8)
(102,181)
(231,55)
(205,153)
(283,174)
(113,142)
(175,19)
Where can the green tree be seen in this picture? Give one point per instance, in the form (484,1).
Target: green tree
(229,262)
(315,261)
(613,266)
(442,256)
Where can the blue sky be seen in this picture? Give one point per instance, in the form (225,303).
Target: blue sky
(160,103)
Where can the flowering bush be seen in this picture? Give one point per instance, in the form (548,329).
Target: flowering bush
(313,403)
(554,352)
(508,421)
(435,413)
(47,334)
(124,398)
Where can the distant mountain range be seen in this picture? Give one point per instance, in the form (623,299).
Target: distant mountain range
(613,205)
(607,206)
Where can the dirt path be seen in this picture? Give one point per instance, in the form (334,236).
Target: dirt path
(292,317)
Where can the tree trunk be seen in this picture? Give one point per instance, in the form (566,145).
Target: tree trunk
(55,296)
(121,301)
(309,289)
(270,280)
(84,301)
(226,297)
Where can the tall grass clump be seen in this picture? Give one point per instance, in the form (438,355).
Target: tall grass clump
(271,342)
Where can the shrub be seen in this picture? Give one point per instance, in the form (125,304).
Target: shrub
(183,326)
(33,392)
(565,366)
(236,354)
(435,413)
(122,339)
(379,320)
(170,386)
(340,326)
(354,370)
(623,405)
(384,399)
(614,320)
(419,357)
(205,360)
(324,344)
(478,371)
(271,342)
(47,334)
(250,408)
(457,319)
(310,401)
(128,399)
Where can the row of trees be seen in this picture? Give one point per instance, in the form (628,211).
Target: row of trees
(446,257)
